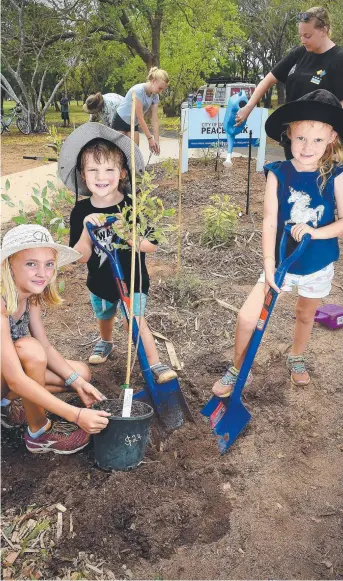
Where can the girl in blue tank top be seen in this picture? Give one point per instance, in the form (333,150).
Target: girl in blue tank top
(305,191)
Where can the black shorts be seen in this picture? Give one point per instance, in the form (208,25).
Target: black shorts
(65,115)
(120,125)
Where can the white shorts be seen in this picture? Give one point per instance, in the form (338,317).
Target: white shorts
(312,286)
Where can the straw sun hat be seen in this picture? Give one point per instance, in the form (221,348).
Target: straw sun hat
(35,236)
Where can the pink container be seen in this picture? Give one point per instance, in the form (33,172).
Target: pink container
(330,315)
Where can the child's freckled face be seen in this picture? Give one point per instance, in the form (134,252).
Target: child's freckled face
(309,140)
(102,178)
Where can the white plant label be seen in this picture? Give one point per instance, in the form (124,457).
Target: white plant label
(128,394)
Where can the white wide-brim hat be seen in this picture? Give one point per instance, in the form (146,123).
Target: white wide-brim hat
(68,161)
(28,236)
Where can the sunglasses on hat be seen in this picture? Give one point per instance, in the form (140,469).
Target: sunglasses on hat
(307,16)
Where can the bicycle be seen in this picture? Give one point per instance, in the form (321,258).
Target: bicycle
(21,123)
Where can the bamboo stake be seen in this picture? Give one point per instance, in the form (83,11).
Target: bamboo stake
(128,391)
(178,267)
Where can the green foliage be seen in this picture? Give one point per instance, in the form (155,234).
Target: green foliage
(57,140)
(153,220)
(184,289)
(220,220)
(170,167)
(195,44)
(208,154)
(47,213)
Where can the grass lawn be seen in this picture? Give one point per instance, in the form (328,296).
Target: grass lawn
(78,116)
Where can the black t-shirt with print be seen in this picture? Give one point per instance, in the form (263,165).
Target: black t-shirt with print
(100,280)
(303,72)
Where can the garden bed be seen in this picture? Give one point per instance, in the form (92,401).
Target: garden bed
(271,507)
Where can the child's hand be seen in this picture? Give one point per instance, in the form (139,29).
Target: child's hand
(299,230)
(92,421)
(270,280)
(95,219)
(89,394)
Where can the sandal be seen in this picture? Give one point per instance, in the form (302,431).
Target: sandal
(296,364)
(101,350)
(162,373)
(228,380)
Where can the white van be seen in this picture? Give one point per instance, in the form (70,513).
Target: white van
(218,92)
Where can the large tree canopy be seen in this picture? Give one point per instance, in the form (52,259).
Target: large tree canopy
(108,45)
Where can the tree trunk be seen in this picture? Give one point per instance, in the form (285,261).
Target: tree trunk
(170,109)
(281,93)
(267,99)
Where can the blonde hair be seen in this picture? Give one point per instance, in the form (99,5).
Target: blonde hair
(156,74)
(320,17)
(9,291)
(333,156)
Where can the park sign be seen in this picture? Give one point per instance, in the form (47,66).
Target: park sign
(204,131)
(200,131)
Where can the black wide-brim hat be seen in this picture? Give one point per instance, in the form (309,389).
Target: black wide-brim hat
(68,162)
(320,105)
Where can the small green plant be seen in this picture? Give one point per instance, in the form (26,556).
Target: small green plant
(57,140)
(209,154)
(47,213)
(170,167)
(220,220)
(153,220)
(184,289)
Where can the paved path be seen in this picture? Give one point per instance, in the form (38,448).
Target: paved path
(21,183)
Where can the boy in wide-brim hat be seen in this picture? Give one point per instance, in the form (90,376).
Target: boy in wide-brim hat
(95,161)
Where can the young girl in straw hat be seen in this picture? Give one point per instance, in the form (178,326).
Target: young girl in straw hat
(31,368)
(305,192)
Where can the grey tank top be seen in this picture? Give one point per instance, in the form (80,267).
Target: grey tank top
(20,328)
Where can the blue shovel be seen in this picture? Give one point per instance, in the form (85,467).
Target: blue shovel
(228,416)
(166,399)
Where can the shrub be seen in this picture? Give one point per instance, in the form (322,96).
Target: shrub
(220,220)
(184,289)
(48,213)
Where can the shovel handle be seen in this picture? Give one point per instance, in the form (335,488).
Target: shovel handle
(269,302)
(285,263)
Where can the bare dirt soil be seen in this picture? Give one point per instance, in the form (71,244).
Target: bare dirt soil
(14,147)
(271,507)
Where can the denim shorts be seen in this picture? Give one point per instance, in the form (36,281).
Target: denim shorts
(105,310)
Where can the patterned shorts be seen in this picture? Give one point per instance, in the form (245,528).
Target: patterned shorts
(312,286)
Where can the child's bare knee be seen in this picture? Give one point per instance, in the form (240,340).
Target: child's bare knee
(30,352)
(84,371)
(304,315)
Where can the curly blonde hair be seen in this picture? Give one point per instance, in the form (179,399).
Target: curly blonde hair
(48,297)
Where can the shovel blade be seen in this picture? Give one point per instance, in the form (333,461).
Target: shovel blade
(168,402)
(228,418)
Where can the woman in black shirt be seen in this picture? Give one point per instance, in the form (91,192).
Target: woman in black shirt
(317,64)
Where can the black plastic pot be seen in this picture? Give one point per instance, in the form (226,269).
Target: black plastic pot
(121,445)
